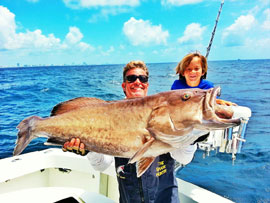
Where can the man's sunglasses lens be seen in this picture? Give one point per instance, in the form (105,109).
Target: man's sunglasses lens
(133,78)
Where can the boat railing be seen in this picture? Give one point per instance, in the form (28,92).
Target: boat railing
(229,140)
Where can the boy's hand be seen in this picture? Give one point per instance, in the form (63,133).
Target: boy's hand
(223,102)
(76,146)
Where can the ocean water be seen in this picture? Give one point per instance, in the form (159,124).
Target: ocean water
(35,90)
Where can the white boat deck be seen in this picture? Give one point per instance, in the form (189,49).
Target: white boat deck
(51,175)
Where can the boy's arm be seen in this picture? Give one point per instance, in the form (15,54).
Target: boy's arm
(223,102)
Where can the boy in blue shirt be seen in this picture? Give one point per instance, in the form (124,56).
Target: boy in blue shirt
(192,70)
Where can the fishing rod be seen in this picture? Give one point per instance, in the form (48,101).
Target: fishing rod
(214,30)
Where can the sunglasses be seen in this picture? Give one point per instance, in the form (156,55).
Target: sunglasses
(133,78)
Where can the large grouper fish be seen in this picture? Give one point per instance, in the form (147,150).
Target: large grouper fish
(140,128)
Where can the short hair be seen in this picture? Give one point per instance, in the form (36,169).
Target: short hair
(134,64)
(184,63)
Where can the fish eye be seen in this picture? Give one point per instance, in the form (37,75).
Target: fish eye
(185,96)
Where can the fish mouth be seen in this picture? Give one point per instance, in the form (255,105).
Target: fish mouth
(217,116)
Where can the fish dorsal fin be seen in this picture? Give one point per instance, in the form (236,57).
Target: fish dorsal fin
(138,155)
(143,164)
(73,104)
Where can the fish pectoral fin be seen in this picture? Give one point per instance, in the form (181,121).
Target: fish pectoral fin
(54,142)
(138,155)
(143,164)
(73,104)
(175,140)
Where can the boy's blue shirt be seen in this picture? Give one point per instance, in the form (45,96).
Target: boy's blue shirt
(181,84)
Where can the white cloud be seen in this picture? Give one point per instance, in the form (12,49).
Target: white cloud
(264,43)
(140,32)
(179,2)
(106,12)
(192,34)
(266,23)
(243,23)
(84,46)
(108,52)
(74,35)
(35,40)
(7,26)
(73,39)
(264,2)
(11,40)
(111,49)
(76,4)
(122,47)
(234,35)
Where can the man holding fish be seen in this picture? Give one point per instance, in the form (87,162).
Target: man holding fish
(158,183)
(140,129)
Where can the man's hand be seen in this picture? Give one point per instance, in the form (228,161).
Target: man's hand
(75,145)
(223,102)
(98,161)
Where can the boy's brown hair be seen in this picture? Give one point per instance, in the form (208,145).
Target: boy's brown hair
(184,63)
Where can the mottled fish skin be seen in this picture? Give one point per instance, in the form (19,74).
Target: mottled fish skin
(139,129)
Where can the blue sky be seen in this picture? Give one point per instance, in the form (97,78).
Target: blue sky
(45,32)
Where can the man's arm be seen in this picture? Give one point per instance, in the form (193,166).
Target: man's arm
(184,155)
(99,162)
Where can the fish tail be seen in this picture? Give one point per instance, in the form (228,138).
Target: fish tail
(25,133)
